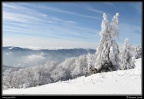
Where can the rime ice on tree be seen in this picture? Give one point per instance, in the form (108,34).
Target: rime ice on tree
(126,56)
(107,51)
(137,52)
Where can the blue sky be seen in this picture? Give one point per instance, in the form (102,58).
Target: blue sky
(68,24)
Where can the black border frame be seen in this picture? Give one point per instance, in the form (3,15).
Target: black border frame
(115,95)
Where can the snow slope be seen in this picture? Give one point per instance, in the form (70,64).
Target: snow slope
(122,82)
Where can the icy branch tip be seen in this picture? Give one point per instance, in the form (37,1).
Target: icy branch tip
(117,14)
(126,39)
(104,16)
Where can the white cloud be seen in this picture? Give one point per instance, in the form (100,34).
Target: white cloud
(137,6)
(14,7)
(35,58)
(15,17)
(14,12)
(110,4)
(67,12)
(27,21)
(9,53)
(30,22)
(94,10)
(88,7)
(66,31)
(24,23)
(47,43)
(132,32)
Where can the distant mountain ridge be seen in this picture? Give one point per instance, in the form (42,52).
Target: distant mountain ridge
(10,67)
(17,56)
(31,48)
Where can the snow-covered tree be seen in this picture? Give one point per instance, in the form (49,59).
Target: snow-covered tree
(137,52)
(90,63)
(126,56)
(107,57)
(7,79)
(58,74)
(77,69)
(89,60)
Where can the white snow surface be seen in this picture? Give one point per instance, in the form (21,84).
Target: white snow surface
(121,82)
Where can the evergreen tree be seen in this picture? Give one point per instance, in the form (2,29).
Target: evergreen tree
(137,52)
(107,58)
(126,56)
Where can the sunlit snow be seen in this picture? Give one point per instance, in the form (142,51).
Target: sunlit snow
(121,82)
